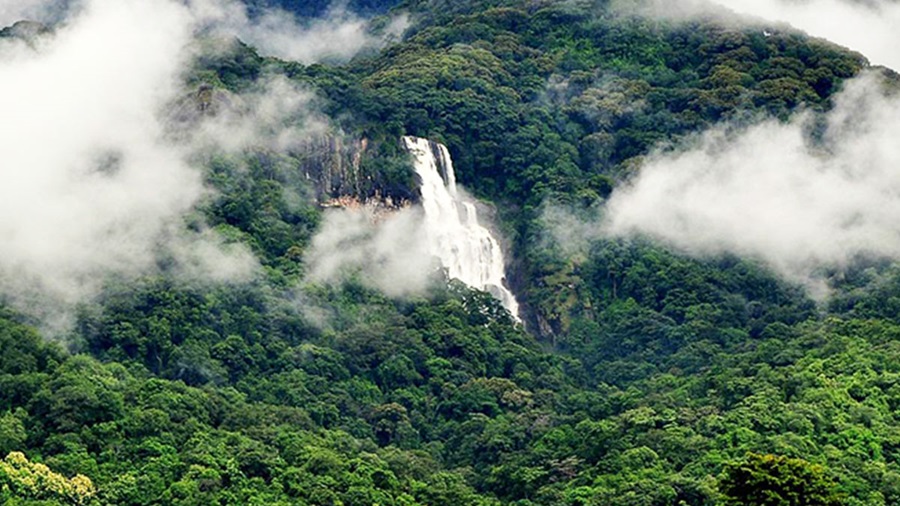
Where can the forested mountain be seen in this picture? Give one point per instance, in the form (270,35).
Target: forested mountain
(642,375)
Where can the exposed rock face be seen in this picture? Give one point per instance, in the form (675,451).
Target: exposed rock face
(204,102)
(332,163)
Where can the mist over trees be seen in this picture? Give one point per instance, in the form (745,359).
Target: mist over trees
(215,367)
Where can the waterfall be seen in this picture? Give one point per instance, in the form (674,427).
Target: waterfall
(465,248)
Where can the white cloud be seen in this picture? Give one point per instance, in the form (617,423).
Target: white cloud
(97,178)
(87,183)
(387,250)
(276,114)
(866,26)
(339,35)
(768,192)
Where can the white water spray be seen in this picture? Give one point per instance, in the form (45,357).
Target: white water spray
(466,249)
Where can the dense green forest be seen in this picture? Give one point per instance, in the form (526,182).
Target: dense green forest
(641,377)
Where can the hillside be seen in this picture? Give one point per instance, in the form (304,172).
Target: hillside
(643,374)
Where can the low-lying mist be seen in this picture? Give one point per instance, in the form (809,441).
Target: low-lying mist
(338,35)
(771,192)
(806,197)
(99,177)
(89,186)
(865,26)
(386,250)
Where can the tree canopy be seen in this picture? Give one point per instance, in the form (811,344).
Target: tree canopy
(644,378)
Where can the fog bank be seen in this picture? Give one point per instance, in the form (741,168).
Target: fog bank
(99,178)
(770,193)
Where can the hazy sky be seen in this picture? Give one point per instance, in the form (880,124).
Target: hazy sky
(868,26)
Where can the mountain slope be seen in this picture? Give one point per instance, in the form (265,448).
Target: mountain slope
(646,377)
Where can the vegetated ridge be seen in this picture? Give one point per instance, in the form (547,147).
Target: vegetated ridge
(645,378)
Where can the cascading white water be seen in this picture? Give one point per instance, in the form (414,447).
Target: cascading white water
(466,249)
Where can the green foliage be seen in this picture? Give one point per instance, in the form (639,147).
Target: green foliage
(537,100)
(647,378)
(264,203)
(24,482)
(778,481)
